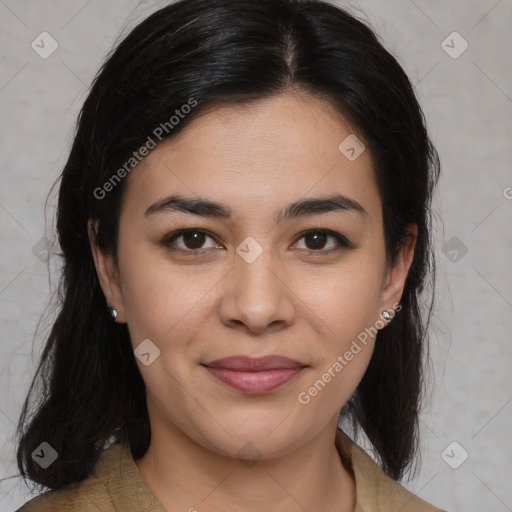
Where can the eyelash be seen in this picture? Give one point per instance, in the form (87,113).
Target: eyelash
(343,243)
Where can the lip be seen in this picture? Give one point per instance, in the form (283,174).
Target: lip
(254,375)
(247,363)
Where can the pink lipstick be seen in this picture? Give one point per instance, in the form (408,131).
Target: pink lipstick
(254,375)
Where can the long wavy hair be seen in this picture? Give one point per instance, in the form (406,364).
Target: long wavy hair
(226,52)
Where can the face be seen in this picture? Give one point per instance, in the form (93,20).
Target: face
(308,284)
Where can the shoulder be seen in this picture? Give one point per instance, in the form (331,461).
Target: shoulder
(90,495)
(376,491)
(85,497)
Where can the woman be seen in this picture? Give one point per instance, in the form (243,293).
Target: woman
(244,219)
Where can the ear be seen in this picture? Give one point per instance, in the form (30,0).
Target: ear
(107,273)
(394,280)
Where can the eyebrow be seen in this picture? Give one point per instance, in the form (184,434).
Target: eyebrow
(208,208)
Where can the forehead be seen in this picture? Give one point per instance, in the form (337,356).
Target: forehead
(256,156)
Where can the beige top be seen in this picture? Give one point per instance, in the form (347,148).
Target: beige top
(116,485)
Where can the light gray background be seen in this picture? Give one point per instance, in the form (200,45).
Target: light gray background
(468,104)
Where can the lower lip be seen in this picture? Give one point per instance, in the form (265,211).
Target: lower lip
(254,382)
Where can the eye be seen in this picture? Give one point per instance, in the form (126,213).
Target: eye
(316,240)
(193,240)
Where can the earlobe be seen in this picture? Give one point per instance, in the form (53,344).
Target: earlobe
(107,275)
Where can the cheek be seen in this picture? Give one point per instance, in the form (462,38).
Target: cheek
(346,309)
(348,299)
(343,350)
(162,302)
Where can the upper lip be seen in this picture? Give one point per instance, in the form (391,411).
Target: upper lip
(247,363)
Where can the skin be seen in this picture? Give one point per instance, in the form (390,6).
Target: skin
(292,301)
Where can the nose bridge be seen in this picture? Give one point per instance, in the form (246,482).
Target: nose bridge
(254,266)
(257,296)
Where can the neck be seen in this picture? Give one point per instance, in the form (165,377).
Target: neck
(183,475)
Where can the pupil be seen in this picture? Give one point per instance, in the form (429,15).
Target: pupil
(317,237)
(196,238)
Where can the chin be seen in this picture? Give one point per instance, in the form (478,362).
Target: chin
(266,440)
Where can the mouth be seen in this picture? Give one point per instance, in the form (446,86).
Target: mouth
(254,375)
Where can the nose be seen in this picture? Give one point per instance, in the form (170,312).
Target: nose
(258,296)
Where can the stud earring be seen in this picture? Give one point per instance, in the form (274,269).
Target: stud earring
(112,311)
(386,315)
